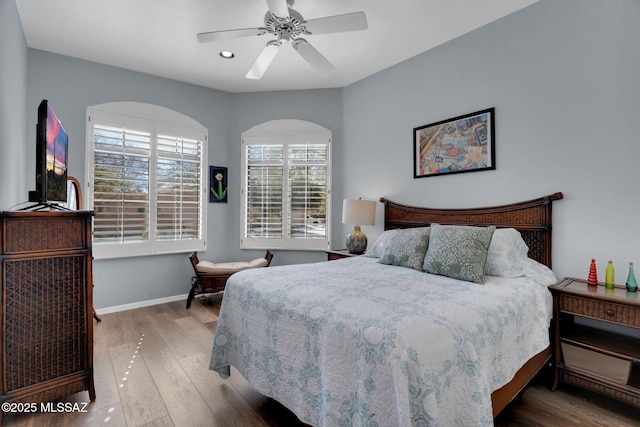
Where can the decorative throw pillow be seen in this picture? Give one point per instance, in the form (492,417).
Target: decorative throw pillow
(383,241)
(407,248)
(459,252)
(507,255)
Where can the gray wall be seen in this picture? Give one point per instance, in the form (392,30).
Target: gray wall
(13,87)
(323,107)
(71,85)
(563,77)
(561,74)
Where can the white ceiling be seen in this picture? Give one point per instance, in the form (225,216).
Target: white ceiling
(158,37)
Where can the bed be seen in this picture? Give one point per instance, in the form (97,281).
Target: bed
(375,340)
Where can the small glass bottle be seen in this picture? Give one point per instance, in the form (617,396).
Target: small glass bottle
(610,276)
(632,285)
(592,279)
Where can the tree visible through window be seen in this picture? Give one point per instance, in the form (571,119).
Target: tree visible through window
(285,189)
(147,185)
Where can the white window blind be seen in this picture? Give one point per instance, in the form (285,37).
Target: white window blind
(307,190)
(264,191)
(121,184)
(178,188)
(146,186)
(286,191)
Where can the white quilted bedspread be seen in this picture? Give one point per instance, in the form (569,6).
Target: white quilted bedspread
(357,343)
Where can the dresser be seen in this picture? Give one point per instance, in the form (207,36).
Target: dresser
(592,354)
(46,331)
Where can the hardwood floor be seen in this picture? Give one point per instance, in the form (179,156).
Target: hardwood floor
(151,369)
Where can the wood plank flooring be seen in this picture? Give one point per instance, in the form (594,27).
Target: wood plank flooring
(151,369)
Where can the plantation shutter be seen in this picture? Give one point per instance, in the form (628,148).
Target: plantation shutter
(285,191)
(121,184)
(178,188)
(146,181)
(264,191)
(307,190)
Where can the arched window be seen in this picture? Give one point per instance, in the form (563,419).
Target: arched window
(146,179)
(286,186)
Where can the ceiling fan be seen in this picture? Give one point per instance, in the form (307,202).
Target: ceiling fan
(287,25)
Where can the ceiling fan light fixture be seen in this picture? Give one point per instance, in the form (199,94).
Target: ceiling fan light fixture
(288,25)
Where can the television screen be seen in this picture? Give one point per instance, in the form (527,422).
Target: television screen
(57,143)
(51,159)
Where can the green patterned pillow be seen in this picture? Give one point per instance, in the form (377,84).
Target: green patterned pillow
(407,248)
(459,252)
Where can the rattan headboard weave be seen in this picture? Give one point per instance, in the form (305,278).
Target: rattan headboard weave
(532,218)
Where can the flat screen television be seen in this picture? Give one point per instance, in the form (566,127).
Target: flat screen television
(52,147)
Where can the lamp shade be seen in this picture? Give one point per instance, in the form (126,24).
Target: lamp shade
(360,212)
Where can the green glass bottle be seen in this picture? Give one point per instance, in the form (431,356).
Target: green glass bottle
(610,276)
(632,285)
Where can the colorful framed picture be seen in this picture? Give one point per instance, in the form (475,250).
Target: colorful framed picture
(461,144)
(217,184)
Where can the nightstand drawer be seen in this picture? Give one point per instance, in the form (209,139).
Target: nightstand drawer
(601,310)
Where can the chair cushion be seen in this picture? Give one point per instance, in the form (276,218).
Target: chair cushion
(207,267)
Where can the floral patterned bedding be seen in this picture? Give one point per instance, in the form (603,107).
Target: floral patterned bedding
(357,343)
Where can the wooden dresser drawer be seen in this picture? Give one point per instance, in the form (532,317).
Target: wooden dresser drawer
(42,234)
(601,310)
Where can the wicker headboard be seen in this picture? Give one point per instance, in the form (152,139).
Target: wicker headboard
(532,218)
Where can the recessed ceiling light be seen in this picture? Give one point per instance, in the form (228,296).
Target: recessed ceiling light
(227,54)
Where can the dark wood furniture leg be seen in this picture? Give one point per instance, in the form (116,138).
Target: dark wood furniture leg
(207,283)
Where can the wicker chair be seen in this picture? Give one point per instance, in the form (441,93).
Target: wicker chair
(212,277)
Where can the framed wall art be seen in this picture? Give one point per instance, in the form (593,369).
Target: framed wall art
(217,184)
(461,144)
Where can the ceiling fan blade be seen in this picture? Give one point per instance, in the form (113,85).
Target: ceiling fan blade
(212,36)
(279,8)
(355,21)
(264,60)
(314,58)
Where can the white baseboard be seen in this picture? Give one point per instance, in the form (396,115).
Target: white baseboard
(141,304)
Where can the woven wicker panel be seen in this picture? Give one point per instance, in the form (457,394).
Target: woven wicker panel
(527,216)
(604,389)
(536,240)
(25,234)
(45,319)
(55,393)
(601,310)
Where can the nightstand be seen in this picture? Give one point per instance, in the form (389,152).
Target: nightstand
(591,357)
(333,255)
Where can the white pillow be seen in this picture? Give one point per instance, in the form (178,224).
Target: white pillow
(507,255)
(379,246)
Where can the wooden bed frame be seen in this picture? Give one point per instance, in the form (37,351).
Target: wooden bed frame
(532,218)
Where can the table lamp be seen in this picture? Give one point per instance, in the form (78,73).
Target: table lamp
(358,212)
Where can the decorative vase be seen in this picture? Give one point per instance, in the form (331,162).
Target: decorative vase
(356,241)
(610,276)
(632,285)
(593,273)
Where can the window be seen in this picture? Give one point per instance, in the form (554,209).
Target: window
(286,186)
(146,180)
